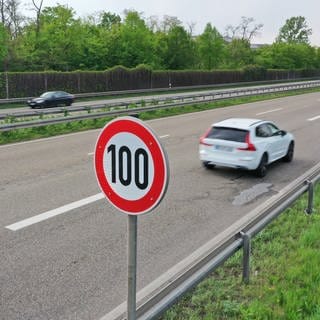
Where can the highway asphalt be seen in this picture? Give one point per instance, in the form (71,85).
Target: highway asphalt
(73,265)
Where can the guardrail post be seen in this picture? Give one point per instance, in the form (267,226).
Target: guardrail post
(309,209)
(246,257)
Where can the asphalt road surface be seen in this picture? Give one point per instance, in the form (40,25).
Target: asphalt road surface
(72,265)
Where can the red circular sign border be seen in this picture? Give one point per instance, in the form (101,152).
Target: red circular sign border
(159,185)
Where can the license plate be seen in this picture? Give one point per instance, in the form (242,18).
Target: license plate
(223,148)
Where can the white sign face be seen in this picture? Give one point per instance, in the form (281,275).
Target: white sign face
(131,166)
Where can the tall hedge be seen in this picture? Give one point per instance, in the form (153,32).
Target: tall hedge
(15,85)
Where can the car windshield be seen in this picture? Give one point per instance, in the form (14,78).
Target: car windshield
(47,95)
(230,134)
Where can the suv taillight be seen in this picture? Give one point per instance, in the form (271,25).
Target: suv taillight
(203,137)
(250,145)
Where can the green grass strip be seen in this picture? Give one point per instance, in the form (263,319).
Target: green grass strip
(285,275)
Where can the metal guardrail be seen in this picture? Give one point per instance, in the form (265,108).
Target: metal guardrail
(124,107)
(157,297)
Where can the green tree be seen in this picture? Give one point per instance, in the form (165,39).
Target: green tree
(179,50)
(282,55)
(4,38)
(160,38)
(91,45)
(131,44)
(108,20)
(295,30)
(239,54)
(56,44)
(211,48)
(317,60)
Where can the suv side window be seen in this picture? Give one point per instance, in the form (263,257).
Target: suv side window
(263,131)
(272,128)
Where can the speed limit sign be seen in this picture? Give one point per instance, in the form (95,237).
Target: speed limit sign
(131,166)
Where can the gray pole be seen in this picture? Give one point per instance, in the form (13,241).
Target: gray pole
(246,257)
(132,267)
(309,210)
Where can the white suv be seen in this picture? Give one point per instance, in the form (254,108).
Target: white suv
(249,144)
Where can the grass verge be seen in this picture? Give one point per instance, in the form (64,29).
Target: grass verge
(285,277)
(57,129)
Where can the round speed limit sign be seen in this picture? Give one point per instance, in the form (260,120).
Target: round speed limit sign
(131,166)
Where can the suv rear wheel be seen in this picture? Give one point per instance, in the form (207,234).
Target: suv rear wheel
(207,165)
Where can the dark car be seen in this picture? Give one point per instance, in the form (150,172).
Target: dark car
(51,99)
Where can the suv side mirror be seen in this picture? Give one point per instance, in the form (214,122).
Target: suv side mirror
(280,133)
(283,132)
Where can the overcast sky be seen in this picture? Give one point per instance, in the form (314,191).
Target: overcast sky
(271,13)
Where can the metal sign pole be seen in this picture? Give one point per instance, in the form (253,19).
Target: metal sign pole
(132,267)
(126,169)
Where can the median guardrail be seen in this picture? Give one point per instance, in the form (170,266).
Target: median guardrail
(147,104)
(158,296)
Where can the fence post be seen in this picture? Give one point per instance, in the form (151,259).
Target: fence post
(45,81)
(79,82)
(246,257)
(309,209)
(7,85)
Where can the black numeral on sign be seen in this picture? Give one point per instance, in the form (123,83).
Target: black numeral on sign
(141,154)
(125,154)
(124,160)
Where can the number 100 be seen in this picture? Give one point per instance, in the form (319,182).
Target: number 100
(124,156)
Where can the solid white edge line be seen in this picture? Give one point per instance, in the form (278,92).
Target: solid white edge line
(47,139)
(52,213)
(314,118)
(274,110)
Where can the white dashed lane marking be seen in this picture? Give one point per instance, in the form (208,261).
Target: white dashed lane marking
(314,118)
(265,112)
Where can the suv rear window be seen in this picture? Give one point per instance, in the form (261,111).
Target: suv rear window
(231,134)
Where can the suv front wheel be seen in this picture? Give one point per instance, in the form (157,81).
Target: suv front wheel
(261,171)
(289,156)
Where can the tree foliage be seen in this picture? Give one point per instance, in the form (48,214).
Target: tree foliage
(179,53)
(109,20)
(212,47)
(288,56)
(56,39)
(295,30)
